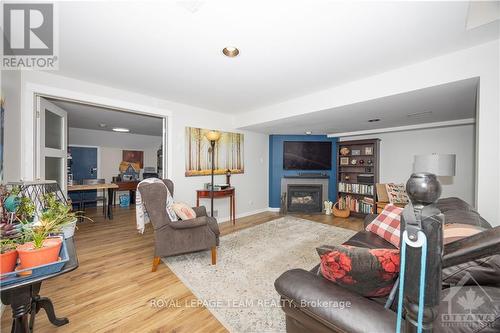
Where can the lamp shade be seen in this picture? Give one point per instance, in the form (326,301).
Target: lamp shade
(213,135)
(438,164)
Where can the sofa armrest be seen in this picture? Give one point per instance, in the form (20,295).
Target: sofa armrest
(321,299)
(188,224)
(200,211)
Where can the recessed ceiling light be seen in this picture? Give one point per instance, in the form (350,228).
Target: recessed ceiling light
(373,120)
(308,132)
(120,129)
(230,51)
(102,125)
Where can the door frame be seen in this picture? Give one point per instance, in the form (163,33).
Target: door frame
(99,172)
(29,139)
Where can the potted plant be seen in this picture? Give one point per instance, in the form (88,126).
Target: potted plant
(8,255)
(40,249)
(62,214)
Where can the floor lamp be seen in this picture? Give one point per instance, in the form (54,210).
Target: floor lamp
(213,137)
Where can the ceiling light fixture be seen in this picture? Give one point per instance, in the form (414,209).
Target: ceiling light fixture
(121,130)
(373,120)
(102,125)
(308,132)
(230,51)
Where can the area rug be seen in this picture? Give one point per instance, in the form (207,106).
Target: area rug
(239,290)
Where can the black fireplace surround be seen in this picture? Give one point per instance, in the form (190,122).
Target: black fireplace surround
(304,198)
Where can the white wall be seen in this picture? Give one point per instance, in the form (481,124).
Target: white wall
(251,187)
(397,150)
(481,61)
(11,93)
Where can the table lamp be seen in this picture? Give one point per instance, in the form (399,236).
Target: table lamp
(213,137)
(428,168)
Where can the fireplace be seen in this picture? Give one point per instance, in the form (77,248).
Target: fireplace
(304,198)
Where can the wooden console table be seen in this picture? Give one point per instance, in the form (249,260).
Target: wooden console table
(228,192)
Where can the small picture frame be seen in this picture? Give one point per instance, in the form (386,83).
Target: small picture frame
(344,161)
(356,152)
(369,150)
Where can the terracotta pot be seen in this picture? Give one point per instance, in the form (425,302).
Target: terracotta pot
(31,257)
(8,261)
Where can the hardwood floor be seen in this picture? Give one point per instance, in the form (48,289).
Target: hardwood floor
(114,290)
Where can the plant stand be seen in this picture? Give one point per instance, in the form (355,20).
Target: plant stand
(26,302)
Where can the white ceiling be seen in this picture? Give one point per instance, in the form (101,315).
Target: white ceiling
(90,117)
(172,49)
(452,101)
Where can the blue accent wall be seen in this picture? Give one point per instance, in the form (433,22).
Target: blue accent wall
(276,171)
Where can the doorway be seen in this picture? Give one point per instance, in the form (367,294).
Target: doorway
(57,118)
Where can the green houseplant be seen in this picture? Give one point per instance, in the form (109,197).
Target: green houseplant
(38,248)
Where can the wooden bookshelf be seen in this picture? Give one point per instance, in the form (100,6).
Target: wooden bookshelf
(357,174)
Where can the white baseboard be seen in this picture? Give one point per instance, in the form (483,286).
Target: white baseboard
(272,209)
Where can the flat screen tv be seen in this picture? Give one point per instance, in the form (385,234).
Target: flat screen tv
(307,155)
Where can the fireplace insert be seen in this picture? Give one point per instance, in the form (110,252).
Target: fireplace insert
(304,198)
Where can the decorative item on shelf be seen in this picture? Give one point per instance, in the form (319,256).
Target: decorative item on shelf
(344,161)
(340,212)
(356,152)
(328,207)
(213,137)
(228,177)
(347,177)
(354,161)
(369,150)
(369,162)
(361,162)
(344,151)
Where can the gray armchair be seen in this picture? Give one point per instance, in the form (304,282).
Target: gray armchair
(177,237)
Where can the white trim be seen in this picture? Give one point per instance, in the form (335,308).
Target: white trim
(238,216)
(449,123)
(273,209)
(28,118)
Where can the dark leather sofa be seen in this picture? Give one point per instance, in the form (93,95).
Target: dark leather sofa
(314,304)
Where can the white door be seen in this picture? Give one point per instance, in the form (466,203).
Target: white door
(52,142)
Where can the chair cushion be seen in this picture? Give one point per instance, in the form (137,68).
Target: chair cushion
(387,224)
(183,211)
(453,203)
(368,272)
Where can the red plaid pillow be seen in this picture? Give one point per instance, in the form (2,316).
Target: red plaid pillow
(387,224)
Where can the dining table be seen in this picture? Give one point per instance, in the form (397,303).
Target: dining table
(111,187)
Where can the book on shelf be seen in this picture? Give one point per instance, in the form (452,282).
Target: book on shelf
(356,188)
(358,205)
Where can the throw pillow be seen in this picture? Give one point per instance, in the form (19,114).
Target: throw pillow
(183,211)
(368,272)
(388,224)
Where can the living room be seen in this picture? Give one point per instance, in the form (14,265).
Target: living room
(429,96)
